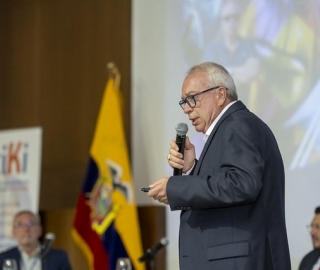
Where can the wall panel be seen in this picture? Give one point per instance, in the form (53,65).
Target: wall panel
(53,56)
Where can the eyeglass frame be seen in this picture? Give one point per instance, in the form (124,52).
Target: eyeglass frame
(29,224)
(185,101)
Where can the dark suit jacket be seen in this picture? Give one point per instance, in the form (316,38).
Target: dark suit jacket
(309,260)
(233,202)
(56,259)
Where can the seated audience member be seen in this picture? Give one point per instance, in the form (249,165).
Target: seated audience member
(312,260)
(26,229)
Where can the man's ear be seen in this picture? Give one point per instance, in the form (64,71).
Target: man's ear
(222,95)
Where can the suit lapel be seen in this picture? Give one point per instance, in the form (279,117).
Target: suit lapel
(313,259)
(234,107)
(15,254)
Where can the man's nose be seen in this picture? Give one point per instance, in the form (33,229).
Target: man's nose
(187,109)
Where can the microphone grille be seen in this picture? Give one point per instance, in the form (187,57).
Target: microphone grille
(164,241)
(50,236)
(182,128)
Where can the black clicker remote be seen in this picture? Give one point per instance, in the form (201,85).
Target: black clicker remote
(145,189)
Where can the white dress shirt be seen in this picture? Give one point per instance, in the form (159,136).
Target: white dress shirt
(32,262)
(317,265)
(208,132)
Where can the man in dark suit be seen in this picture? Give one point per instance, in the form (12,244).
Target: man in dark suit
(312,260)
(232,198)
(27,230)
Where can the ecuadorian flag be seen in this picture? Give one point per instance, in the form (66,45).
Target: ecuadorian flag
(106,222)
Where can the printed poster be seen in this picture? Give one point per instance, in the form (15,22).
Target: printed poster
(20,165)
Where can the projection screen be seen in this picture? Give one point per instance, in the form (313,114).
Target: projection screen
(271,47)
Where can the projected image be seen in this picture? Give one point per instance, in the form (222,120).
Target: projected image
(270,48)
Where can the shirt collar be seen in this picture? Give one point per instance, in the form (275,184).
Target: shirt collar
(207,134)
(35,253)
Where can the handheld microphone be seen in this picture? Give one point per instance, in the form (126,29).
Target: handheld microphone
(46,245)
(153,250)
(182,130)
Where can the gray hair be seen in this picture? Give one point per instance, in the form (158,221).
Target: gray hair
(28,212)
(218,76)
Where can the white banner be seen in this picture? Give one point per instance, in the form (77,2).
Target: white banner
(20,164)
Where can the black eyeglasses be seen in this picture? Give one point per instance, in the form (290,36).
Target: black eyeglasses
(28,224)
(191,101)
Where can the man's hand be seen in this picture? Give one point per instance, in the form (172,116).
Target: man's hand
(158,190)
(176,160)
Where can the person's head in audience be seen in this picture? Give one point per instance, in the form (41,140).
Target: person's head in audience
(315,229)
(26,229)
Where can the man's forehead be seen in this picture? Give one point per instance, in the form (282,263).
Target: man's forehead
(195,82)
(25,216)
(195,88)
(317,216)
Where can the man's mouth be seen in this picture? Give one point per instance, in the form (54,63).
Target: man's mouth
(193,120)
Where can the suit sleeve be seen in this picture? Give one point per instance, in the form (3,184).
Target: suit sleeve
(230,173)
(12,253)
(64,261)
